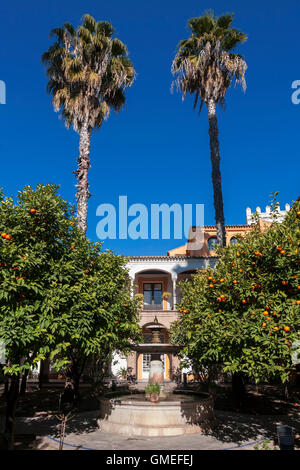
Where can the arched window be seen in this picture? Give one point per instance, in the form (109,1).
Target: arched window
(233,241)
(212,243)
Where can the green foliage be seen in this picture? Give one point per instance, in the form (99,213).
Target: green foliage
(122,373)
(59,293)
(153,387)
(266,444)
(245,313)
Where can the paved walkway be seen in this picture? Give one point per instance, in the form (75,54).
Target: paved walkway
(82,432)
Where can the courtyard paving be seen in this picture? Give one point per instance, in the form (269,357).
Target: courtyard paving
(82,432)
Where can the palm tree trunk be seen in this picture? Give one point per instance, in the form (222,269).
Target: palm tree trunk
(216,174)
(82,185)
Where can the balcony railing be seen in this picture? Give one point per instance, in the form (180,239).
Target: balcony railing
(153,307)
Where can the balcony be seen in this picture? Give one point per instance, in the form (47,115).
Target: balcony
(152,307)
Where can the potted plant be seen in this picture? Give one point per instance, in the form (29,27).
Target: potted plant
(122,373)
(166,295)
(153,390)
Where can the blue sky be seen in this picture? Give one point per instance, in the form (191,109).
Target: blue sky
(157,149)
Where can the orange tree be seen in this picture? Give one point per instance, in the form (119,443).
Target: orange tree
(60,295)
(245,313)
(89,303)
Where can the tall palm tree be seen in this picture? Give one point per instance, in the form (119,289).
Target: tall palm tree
(205,66)
(88,73)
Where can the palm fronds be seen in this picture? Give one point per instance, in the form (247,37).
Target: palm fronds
(88,72)
(204,64)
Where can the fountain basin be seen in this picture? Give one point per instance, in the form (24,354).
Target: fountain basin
(177,414)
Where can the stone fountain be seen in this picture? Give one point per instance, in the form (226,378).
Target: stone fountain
(175,413)
(156,372)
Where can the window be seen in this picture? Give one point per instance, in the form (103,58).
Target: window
(233,241)
(212,243)
(152,293)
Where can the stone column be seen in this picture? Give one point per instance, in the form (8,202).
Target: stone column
(174,282)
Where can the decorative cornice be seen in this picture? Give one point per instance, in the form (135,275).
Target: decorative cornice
(213,227)
(168,258)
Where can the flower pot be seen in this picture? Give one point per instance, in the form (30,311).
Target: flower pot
(154,397)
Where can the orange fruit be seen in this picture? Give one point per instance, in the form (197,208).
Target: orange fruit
(286,328)
(264,324)
(32,211)
(3,235)
(235,281)
(282,252)
(211,285)
(244,301)
(298,302)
